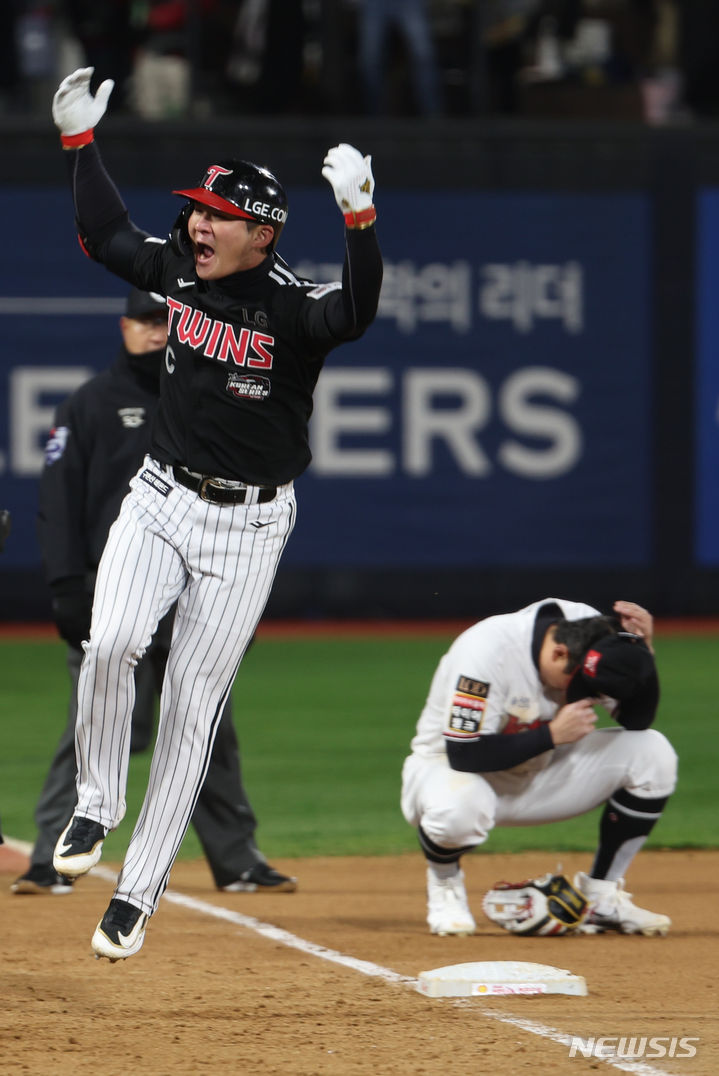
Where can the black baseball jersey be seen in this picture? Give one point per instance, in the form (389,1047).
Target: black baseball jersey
(101,433)
(244,352)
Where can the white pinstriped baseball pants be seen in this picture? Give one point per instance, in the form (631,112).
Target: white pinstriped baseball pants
(218,562)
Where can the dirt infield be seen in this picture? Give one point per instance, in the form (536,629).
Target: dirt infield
(208,995)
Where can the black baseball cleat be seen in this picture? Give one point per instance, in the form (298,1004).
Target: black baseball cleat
(79,847)
(121,931)
(42,879)
(261,878)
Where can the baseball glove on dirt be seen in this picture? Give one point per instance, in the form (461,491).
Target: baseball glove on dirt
(546,905)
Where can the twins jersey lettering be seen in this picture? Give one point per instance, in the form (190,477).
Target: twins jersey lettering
(269,328)
(218,339)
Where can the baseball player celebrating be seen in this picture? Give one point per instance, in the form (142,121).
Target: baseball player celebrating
(212,507)
(507,738)
(101,435)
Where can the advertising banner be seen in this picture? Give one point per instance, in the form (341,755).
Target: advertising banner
(496,413)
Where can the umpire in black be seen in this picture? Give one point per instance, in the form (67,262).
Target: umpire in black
(100,437)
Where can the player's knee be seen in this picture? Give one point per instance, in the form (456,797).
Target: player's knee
(110,656)
(664,762)
(655,769)
(456,826)
(445,830)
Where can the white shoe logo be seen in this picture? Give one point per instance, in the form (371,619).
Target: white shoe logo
(61,849)
(127,940)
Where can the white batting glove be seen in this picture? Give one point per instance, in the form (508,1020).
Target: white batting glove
(74,109)
(350,176)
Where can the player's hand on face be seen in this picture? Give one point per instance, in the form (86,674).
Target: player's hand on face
(636,619)
(573,721)
(74,109)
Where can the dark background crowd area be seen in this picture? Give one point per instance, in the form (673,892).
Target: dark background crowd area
(649,60)
(548,97)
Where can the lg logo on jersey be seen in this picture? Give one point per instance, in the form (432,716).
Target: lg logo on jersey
(217,340)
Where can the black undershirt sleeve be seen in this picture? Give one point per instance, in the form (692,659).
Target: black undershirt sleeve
(497,752)
(106,231)
(98,202)
(351,310)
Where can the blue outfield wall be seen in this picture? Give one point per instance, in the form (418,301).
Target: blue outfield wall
(498,412)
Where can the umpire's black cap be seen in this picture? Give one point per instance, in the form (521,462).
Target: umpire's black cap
(140,304)
(622,667)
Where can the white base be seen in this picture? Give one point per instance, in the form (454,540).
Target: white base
(499,978)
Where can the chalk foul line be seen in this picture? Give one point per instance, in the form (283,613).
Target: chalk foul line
(368,968)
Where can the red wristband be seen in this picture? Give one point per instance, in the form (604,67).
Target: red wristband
(363,219)
(76,140)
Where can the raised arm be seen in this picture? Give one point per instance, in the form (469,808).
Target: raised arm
(104,228)
(352,309)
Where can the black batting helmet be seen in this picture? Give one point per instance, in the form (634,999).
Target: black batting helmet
(244,190)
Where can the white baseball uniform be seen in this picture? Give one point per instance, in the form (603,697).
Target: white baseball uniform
(488,683)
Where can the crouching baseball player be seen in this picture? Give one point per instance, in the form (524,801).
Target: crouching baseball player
(507,738)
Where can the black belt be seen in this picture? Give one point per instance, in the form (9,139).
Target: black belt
(215,494)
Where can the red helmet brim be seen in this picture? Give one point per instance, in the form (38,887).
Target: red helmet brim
(222,205)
